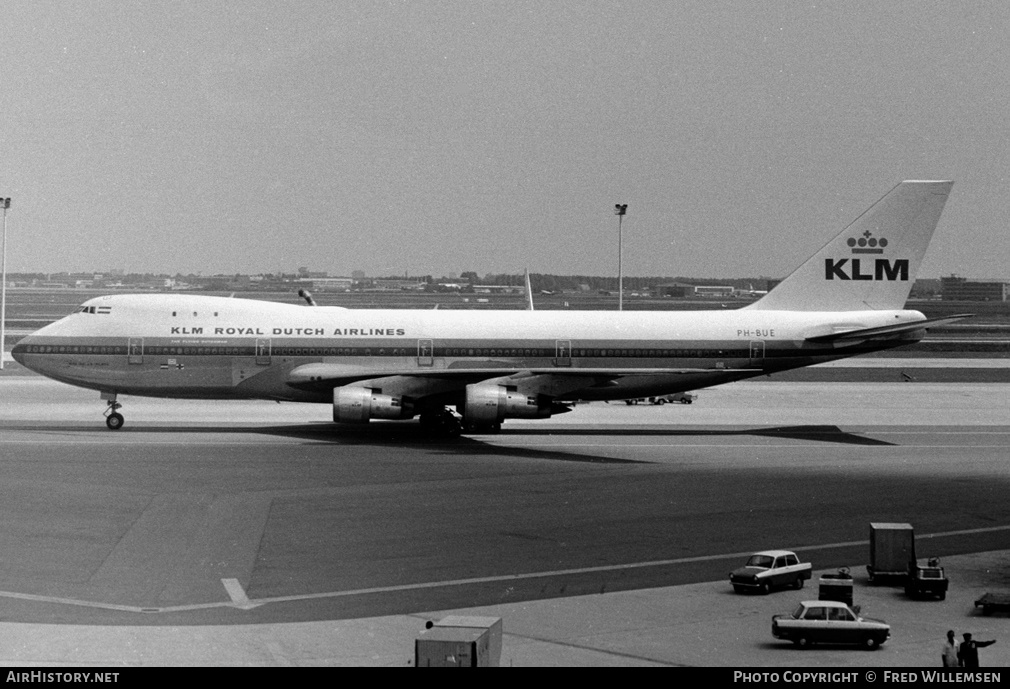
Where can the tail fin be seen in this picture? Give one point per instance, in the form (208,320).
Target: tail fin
(872,263)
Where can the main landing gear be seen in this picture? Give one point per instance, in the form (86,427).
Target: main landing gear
(441,422)
(113,419)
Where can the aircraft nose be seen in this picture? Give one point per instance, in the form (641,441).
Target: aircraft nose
(31,354)
(20,351)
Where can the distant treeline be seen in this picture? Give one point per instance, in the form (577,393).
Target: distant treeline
(566,283)
(540,282)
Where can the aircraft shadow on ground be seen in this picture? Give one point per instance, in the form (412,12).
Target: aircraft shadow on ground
(399,436)
(413,435)
(823,433)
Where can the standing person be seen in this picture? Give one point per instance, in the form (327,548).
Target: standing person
(949,651)
(968,652)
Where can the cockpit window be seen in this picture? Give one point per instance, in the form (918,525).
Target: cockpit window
(94,309)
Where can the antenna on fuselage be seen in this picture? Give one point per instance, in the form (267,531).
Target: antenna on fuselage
(307,296)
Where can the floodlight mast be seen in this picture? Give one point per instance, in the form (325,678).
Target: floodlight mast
(5,203)
(620,209)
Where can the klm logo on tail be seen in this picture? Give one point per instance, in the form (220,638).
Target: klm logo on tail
(882,268)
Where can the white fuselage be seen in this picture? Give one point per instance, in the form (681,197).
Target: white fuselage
(177,345)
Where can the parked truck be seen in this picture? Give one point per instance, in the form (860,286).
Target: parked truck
(892,550)
(926,580)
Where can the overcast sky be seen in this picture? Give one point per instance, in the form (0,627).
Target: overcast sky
(440,137)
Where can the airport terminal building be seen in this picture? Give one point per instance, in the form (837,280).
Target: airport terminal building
(961,289)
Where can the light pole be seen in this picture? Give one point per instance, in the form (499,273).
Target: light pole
(619,210)
(5,203)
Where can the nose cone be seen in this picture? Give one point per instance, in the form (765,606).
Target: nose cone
(18,354)
(21,352)
(38,351)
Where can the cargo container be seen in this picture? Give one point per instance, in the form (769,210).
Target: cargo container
(460,641)
(892,550)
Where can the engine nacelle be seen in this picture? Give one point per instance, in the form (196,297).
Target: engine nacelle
(489,403)
(358,405)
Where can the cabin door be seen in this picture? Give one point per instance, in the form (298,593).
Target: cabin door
(135,350)
(757,354)
(563,353)
(263,352)
(425,353)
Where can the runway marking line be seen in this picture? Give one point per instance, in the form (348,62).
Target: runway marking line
(238,595)
(239,599)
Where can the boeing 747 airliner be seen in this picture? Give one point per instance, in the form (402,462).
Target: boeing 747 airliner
(847,299)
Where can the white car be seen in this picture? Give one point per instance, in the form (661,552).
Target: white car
(831,622)
(770,569)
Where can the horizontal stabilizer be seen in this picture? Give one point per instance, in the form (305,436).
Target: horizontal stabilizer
(886,330)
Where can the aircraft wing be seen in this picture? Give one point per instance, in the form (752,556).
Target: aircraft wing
(886,330)
(323,376)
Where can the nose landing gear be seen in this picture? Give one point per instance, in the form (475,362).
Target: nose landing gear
(113,419)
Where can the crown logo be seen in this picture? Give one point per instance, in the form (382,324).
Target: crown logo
(867,244)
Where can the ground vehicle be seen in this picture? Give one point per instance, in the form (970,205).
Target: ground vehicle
(837,587)
(681,397)
(770,569)
(829,622)
(926,580)
(994,602)
(892,550)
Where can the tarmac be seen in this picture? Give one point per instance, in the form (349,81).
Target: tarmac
(696,625)
(699,625)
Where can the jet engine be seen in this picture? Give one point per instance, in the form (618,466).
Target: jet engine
(358,405)
(490,403)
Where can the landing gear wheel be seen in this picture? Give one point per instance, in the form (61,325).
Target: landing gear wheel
(113,419)
(442,423)
(482,428)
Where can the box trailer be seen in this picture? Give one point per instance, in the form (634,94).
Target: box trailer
(460,641)
(892,550)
